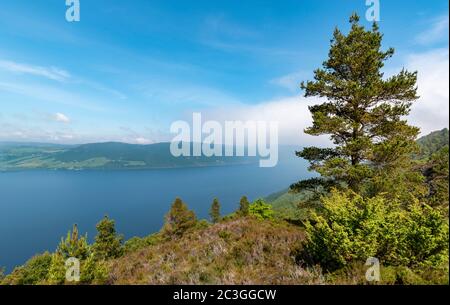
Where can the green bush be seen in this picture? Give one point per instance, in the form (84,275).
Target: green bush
(57,270)
(74,245)
(136,243)
(261,210)
(354,274)
(108,244)
(178,220)
(93,271)
(35,271)
(352,229)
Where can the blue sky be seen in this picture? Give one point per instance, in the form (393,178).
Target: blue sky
(130,68)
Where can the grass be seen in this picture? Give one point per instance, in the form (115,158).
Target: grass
(236,251)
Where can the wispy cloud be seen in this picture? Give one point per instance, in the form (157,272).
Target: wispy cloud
(437,32)
(61,117)
(183,94)
(52,73)
(219,26)
(49,94)
(225,35)
(290,81)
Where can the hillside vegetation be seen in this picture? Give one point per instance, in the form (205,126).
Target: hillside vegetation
(237,251)
(433,143)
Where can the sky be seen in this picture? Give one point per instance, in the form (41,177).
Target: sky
(128,69)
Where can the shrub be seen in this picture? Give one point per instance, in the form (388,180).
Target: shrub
(57,270)
(107,243)
(261,210)
(35,271)
(178,220)
(74,245)
(136,243)
(243,206)
(215,211)
(93,271)
(352,229)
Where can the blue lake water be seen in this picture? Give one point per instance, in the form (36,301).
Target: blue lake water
(37,208)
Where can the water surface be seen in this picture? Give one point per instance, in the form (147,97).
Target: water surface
(38,207)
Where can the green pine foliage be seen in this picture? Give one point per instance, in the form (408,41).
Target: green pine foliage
(108,244)
(34,272)
(364,112)
(93,271)
(351,229)
(74,245)
(214,212)
(178,220)
(57,270)
(244,206)
(437,178)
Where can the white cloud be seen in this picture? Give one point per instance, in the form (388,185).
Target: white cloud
(60,117)
(436,33)
(291,113)
(142,140)
(431,111)
(52,73)
(290,81)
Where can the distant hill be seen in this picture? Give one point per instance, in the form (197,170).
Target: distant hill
(110,155)
(433,142)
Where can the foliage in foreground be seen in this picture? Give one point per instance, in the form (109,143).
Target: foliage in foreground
(243,250)
(351,229)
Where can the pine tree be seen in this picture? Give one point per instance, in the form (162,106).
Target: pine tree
(178,220)
(437,178)
(215,211)
(107,243)
(243,206)
(74,245)
(57,270)
(363,115)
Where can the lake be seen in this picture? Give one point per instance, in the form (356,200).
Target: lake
(37,208)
